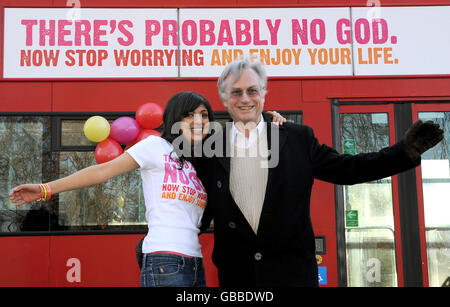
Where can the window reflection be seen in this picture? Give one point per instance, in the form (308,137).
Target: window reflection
(436,194)
(118,202)
(370,245)
(72,133)
(24,142)
(26,157)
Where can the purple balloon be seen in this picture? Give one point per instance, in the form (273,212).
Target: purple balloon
(124,129)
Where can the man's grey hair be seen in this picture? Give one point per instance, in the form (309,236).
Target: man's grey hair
(234,70)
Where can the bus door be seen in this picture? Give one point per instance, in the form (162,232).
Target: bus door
(433,186)
(370,228)
(394,231)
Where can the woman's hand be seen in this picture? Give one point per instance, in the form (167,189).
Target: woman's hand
(25,193)
(277,119)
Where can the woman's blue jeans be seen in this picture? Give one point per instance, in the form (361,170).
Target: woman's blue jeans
(167,270)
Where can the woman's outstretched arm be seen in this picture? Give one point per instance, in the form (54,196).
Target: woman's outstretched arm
(88,176)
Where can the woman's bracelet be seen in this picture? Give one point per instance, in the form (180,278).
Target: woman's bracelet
(46,192)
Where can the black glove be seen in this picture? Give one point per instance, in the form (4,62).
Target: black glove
(420,137)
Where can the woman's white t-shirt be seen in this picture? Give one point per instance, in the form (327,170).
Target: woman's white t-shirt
(174,199)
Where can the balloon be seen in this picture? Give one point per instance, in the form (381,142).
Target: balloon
(149,115)
(129,145)
(146,133)
(96,128)
(124,129)
(107,150)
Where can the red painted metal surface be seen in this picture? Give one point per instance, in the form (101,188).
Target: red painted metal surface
(109,260)
(79,260)
(24,261)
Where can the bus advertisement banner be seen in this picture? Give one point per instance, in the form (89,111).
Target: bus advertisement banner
(82,43)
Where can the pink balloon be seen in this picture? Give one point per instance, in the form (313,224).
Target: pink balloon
(124,129)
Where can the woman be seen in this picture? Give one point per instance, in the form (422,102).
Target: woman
(174,196)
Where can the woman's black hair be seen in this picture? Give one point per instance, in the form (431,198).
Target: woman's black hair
(178,107)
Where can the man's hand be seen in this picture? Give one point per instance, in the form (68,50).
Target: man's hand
(420,137)
(277,119)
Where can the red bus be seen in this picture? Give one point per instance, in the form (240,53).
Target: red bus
(359,88)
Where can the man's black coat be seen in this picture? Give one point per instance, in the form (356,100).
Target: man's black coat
(282,253)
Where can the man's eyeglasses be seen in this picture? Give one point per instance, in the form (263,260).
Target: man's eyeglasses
(238,93)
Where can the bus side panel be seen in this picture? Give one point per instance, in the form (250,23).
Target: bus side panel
(123,96)
(94,260)
(318,116)
(25,96)
(374,89)
(106,260)
(25,261)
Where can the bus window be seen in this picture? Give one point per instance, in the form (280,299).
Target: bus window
(25,141)
(436,186)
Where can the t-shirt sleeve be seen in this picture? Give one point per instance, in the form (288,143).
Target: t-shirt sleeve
(147,152)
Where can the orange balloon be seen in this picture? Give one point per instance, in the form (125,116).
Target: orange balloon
(107,150)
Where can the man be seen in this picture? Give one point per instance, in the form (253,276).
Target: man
(263,234)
